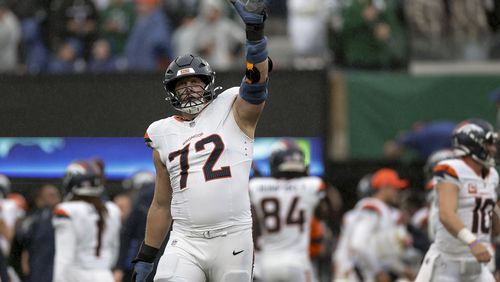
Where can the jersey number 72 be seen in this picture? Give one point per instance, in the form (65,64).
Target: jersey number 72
(208,168)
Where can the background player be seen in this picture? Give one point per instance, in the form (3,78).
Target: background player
(466,200)
(284,207)
(87,230)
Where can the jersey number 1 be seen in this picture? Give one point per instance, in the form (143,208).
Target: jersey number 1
(208,167)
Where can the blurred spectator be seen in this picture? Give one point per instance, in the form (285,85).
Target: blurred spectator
(495,98)
(493,13)
(35,236)
(148,46)
(124,202)
(33,15)
(469,29)
(216,38)
(428,26)
(423,138)
(307,22)
(373,35)
(75,19)
(102,59)
(102,4)
(68,59)
(135,183)
(178,10)
(115,23)
(10,36)
(184,36)
(132,233)
(36,54)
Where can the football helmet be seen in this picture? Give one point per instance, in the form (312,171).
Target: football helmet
(139,180)
(185,66)
(4,186)
(364,188)
(287,158)
(471,137)
(82,178)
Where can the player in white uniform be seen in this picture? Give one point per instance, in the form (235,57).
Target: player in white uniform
(202,161)
(284,204)
(373,238)
(87,230)
(342,260)
(427,217)
(10,213)
(466,200)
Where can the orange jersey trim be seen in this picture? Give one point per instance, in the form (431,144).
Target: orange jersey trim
(446,169)
(58,212)
(371,207)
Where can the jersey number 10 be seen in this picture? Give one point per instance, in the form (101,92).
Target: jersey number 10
(481,220)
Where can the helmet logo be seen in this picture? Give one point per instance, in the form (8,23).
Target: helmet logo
(185,71)
(470,127)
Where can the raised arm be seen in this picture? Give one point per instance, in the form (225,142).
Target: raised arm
(253,88)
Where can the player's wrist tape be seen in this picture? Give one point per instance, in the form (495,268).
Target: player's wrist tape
(473,243)
(257,51)
(255,93)
(146,253)
(255,32)
(467,237)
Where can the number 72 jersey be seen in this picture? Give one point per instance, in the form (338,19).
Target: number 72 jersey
(208,160)
(476,200)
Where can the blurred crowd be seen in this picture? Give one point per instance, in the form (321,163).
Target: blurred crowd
(96,36)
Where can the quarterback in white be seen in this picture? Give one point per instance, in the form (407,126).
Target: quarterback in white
(466,200)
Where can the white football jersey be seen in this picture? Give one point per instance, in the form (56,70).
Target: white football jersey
(285,209)
(209,161)
(476,201)
(80,245)
(10,213)
(376,237)
(342,258)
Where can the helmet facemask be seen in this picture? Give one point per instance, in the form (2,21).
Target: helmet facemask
(191,99)
(189,66)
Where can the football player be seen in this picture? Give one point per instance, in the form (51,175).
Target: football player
(87,230)
(202,159)
(466,200)
(10,213)
(284,207)
(374,238)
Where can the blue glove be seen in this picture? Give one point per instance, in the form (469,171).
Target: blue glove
(252,12)
(141,271)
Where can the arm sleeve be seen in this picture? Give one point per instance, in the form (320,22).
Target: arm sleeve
(65,245)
